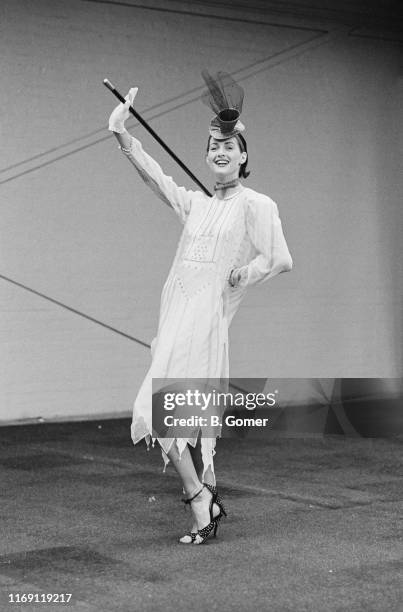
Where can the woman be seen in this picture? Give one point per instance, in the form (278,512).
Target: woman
(229,242)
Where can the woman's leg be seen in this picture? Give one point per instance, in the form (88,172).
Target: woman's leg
(207,476)
(204,476)
(192,484)
(186,469)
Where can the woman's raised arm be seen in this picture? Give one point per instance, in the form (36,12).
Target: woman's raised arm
(164,186)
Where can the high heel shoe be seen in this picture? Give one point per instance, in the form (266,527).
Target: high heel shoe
(190,537)
(212,527)
(217,498)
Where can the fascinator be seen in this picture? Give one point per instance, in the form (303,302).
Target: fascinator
(225,98)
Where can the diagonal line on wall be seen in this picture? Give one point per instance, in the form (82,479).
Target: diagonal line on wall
(323,39)
(75,311)
(101,130)
(375,37)
(206,15)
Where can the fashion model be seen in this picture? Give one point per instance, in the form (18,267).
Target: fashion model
(230,241)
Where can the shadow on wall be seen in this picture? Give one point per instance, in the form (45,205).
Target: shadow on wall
(367,407)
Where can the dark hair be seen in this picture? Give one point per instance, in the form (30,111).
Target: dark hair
(243,172)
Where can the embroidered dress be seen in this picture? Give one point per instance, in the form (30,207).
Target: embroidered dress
(242,231)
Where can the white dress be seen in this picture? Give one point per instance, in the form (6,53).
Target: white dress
(243,231)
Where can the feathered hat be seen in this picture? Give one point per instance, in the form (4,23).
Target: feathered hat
(225,97)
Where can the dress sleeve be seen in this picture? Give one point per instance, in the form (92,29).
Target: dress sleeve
(163,186)
(265,232)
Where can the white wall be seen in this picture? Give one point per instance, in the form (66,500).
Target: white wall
(77,225)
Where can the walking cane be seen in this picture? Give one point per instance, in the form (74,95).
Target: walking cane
(149,129)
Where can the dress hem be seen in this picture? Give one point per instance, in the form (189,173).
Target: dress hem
(207,448)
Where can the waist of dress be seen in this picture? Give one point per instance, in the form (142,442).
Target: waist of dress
(218,270)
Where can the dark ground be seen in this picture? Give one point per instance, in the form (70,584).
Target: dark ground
(315,524)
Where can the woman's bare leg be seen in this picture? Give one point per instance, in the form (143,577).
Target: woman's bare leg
(207,476)
(185,467)
(192,484)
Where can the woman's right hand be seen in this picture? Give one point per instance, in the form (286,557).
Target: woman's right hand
(121,113)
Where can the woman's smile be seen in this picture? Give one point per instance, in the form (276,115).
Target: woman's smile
(224,157)
(222,162)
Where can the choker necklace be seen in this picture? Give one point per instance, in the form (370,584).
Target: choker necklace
(233,183)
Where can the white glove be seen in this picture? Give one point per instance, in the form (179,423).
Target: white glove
(121,113)
(238,277)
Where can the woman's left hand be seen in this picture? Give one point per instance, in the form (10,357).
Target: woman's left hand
(237,277)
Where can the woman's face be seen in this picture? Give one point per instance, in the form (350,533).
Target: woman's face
(224,158)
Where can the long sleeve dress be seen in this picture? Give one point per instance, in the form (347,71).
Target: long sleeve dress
(243,232)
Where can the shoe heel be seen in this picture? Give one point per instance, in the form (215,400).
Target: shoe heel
(212,527)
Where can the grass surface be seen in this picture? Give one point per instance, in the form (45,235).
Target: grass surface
(315,524)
